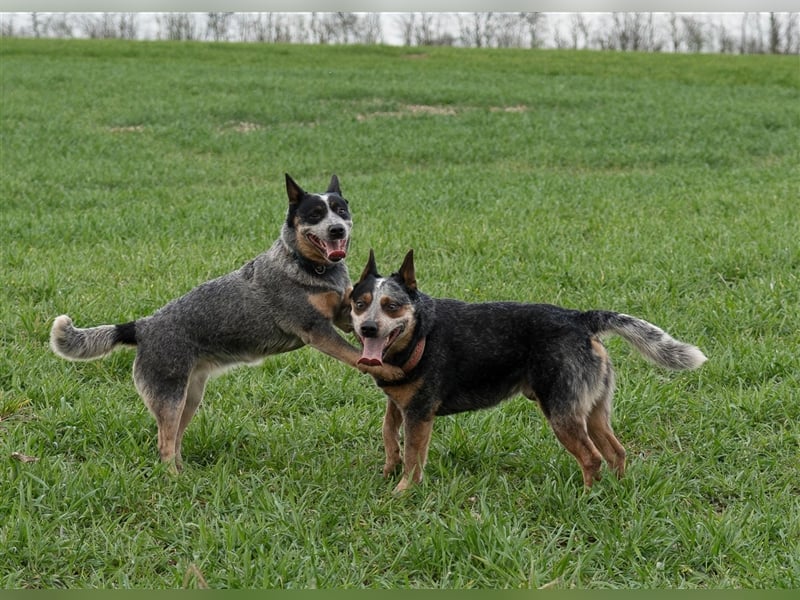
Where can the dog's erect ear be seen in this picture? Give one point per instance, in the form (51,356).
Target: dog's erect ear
(294,191)
(333,186)
(371,268)
(407,271)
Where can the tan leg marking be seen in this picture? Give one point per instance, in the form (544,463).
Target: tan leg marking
(575,439)
(415,453)
(392,421)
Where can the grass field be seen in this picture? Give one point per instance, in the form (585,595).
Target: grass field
(662,186)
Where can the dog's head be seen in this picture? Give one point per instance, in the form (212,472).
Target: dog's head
(383,310)
(318,225)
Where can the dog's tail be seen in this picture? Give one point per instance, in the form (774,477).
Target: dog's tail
(87,344)
(653,343)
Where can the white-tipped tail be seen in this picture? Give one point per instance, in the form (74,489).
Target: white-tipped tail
(72,343)
(651,341)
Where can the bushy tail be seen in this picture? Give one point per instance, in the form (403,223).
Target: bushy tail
(653,343)
(87,344)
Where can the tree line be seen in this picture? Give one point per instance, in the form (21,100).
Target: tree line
(741,33)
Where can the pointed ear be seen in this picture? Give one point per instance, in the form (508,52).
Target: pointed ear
(407,271)
(333,186)
(371,268)
(294,191)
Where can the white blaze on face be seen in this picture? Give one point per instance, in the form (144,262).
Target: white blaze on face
(334,250)
(372,353)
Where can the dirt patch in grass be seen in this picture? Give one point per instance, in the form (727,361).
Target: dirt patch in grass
(126,129)
(242,127)
(407,110)
(410,110)
(519,108)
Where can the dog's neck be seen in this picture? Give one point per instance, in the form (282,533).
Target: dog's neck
(314,269)
(416,356)
(309,266)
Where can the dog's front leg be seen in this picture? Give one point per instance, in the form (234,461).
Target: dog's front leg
(392,421)
(341,317)
(415,455)
(325,339)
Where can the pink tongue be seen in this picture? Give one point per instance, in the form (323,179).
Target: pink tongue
(336,249)
(372,352)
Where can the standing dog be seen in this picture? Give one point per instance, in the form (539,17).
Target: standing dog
(289,296)
(458,357)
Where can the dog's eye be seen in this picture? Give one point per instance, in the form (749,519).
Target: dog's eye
(360,304)
(342,211)
(392,306)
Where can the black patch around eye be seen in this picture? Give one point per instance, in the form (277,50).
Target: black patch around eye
(339,206)
(362,287)
(312,210)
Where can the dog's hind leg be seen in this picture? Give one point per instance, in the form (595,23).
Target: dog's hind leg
(598,421)
(599,426)
(392,421)
(166,399)
(572,433)
(194,396)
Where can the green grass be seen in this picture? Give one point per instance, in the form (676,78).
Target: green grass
(662,186)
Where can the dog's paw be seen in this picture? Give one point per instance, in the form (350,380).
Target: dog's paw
(402,487)
(389,469)
(384,371)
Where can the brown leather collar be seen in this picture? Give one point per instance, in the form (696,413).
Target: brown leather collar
(415,357)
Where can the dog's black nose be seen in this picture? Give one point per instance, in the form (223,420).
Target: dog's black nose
(369,329)
(337,232)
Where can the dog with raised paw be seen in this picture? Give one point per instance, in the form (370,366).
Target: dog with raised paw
(458,357)
(289,296)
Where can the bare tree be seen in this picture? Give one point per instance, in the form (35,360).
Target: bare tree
(579,30)
(252,27)
(790,33)
(322,28)
(536,24)
(270,27)
(631,31)
(218,25)
(726,42)
(510,31)
(675,35)
(370,30)
(423,29)
(294,28)
(106,26)
(752,34)
(345,26)
(477,30)
(406,24)
(427,30)
(35,24)
(774,34)
(7,25)
(59,25)
(694,34)
(177,26)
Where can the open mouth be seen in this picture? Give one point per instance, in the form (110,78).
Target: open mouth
(333,250)
(374,349)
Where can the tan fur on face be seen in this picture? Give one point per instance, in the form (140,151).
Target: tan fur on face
(304,246)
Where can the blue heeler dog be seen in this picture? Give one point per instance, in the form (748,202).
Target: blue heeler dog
(459,357)
(291,295)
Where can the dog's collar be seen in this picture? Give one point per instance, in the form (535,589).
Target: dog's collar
(415,357)
(309,265)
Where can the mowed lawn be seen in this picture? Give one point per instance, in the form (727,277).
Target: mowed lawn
(664,186)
